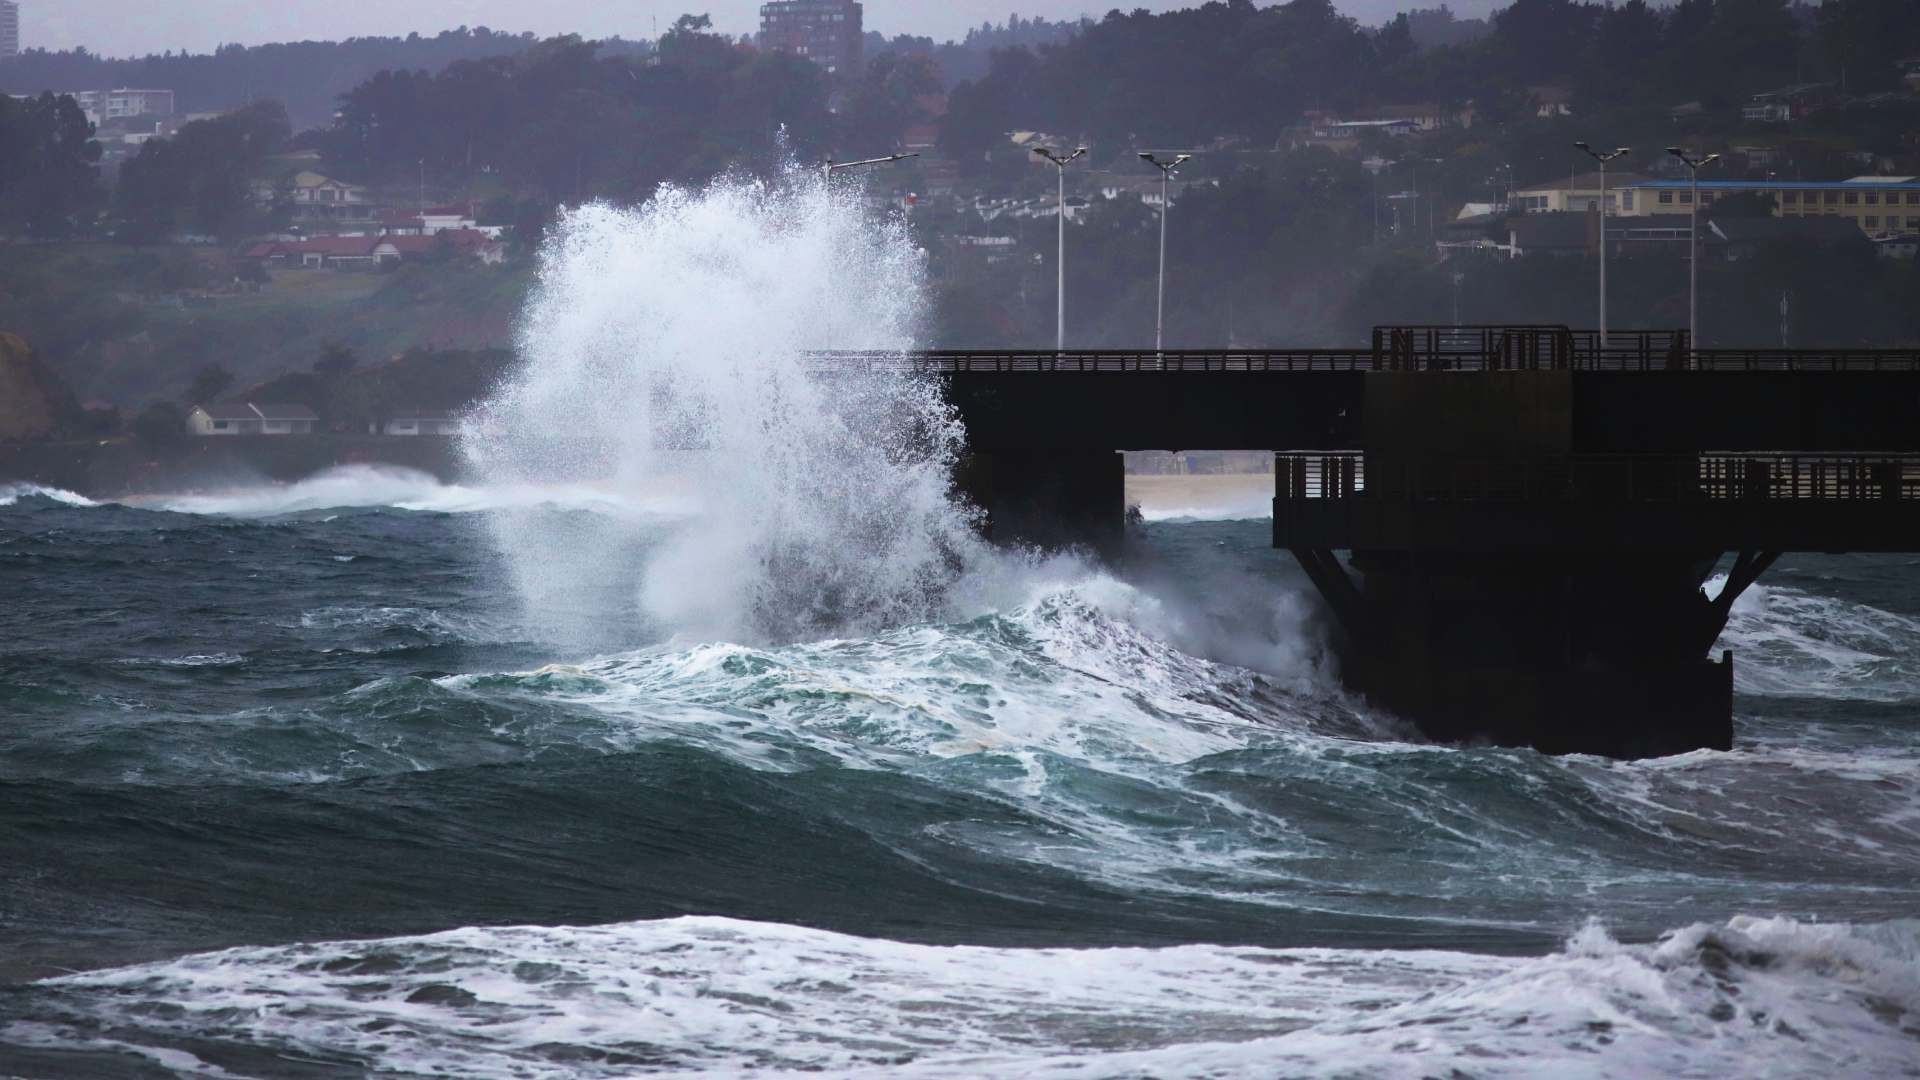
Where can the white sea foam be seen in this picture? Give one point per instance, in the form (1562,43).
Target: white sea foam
(1249,511)
(11,494)
(708,996)
(1787,641)
(368,486)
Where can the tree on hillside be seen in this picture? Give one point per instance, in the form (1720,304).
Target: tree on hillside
(307,75)
(1863,41)
(336,360)
(161,425)
(1752,44)
(203,178)
(568,121)
(208,384)
(49,173)
(886,101)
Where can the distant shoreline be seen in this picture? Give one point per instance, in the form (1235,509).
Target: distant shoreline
(115,468)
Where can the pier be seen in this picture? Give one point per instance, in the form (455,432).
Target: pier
(1511,525)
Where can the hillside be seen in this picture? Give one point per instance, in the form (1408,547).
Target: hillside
(133,325)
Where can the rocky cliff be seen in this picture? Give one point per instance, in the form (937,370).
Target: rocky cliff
(34,403)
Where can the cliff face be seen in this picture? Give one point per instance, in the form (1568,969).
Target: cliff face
(34,404)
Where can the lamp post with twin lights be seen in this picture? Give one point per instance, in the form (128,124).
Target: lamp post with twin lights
(1694,165)
(1061,162)
(1603,158)
(1167,169)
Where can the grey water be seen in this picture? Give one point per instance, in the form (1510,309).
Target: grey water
(329,743)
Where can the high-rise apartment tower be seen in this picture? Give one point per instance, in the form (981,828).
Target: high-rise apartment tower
(9,29)
(827,32)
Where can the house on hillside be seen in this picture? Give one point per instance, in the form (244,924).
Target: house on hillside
(249,419)
(316,197)
(1787,103)
(1551,101)
(421,422)
(366,252)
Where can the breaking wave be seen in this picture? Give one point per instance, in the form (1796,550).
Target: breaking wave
(713,995)
(11,494)
(372,486)
(673,341)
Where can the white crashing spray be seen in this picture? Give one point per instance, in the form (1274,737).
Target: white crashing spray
(665,351)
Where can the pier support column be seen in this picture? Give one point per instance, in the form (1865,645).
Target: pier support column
(1574,653)
(1049,498)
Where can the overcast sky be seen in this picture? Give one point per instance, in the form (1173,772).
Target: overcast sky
(132,27)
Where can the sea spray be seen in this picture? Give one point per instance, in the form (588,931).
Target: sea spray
(668,347)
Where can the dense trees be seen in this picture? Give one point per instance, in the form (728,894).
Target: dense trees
(566,121)
(308,76)
(49,179)
(1235,66)
(203,178)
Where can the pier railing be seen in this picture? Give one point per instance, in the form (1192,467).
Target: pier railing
(1603,478)
(1458,351)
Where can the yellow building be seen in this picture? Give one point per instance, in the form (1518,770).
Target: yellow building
(1877,204)
(1572,193)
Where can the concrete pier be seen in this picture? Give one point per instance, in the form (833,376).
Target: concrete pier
(1511,525)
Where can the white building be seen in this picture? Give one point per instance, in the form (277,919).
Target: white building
(251,419)
(9,29)
(422,422)
(105,106)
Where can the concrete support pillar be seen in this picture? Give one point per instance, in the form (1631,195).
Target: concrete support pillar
(1573,653)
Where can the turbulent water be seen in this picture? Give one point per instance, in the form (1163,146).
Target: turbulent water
(697,736)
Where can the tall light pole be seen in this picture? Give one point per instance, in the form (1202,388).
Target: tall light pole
(827,169)
(1603,159)
(1060,260)
(1167,169)
(829,166)
(1694,165)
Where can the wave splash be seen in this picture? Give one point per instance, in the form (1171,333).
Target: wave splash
(349,487)
(722,995)
(11,494)
(670,343)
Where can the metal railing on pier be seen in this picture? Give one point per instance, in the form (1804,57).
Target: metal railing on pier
(1603,477)
(1403,349)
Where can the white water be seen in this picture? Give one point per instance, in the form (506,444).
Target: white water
(369,486)
(719,996)
(11,494)
(669,343)
(1790,642)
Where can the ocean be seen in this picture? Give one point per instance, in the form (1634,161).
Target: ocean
(700,735)
(297,790)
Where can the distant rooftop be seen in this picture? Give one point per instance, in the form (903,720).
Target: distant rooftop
(1589,181)
(1906,183)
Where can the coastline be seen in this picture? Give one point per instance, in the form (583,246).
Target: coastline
(114,468)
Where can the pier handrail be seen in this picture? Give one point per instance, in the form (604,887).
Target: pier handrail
(1715,477)
(1512,354)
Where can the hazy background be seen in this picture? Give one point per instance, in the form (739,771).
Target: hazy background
(133,27)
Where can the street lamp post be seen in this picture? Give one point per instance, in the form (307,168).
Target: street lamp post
(1693,241)
(1603,159)
(827,169)
(1167,169)
(1060,260)
(829,166)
